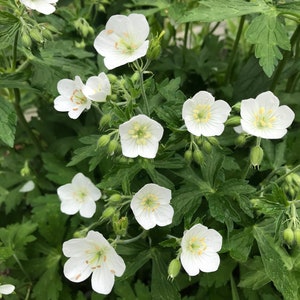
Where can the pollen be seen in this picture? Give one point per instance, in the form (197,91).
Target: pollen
(140,133)
(109,31)
(150,202)
(264,119)
(202,113)
(197,245)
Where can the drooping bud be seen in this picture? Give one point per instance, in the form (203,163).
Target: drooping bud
(108,212)
(115,198)
(233,121)
(174,268)
(26,40)
(188,155)
(47,34)
(206,147)
(105,120)
(241,140)
(113,146)
(213,141)
(288,236)
(198,157)
(36,35)
(103,140)
(256,156)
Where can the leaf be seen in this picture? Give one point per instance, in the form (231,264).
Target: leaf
(292,8)
(8,122)
(217,10)
(268,34)
(161,287)
(277,265)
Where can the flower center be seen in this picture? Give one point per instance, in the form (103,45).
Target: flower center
(125,44)
(264,119)
(150,202)
(95,257)
(202,113)
(80,195)
(140,133)
(197,245)
(78,98)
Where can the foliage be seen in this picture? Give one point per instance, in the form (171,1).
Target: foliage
(234,49)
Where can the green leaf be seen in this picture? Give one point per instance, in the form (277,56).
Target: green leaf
(161,287)
(217,10)
(253,274)
(278,265)
(8,122)
(268,34)
(292,8)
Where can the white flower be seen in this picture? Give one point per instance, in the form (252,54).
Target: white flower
(199,246)
(263,117)
(80,195)
(205,116)
(151,206)
(6,289)
(97,88)
(45,7)
(93,255)
(123,40)
(71,98)
(27,187)
(140,136)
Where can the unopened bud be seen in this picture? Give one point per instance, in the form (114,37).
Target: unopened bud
(108,212)
(47,34)
(198,157)
(213,141)
(188,155)
(256,156)
(105,120)
(288,236)
(297,236)
(233,121)
(115,198)
(241,140)
(120,226)
(103,140)
(206,146)
(36,35)
(113,146)
(26,40)
(174,268)
(112,78)
(154,49)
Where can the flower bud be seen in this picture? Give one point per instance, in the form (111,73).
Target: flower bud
(256,156)
(233,121)
(36,35)
(198,156)
(288,236)
(113,146)
(115,198)
(241,140)
(297,236)
(174,268)
(154,49)
(120,226)
(47,34)
(105,120)
(108,212)
(206,146)
(112,78)
(188,155)
(103,140)
(26,40)
(80,44)
(213,141)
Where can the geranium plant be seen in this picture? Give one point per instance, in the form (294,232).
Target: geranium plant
(149,149)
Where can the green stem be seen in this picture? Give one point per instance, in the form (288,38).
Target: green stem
(21,267)
(142,234)
(141,74)
(185,38)
(234,50)
(284,60)
(14,54)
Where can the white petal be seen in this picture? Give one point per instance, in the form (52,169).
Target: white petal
(102,280)
(75,247)
(69,207)
(87,209)
(203,97)
(76,270)
(27,187)
(97,238)
(164,215)
(146,219)
(286,116)
(248,109)
(267,100)
(140,26)
(208,262)
(76,112)
(149,150)
(66,191)
(6,289)
(63,103)
(188,263)
(115,263)
(66,87)
(213,240)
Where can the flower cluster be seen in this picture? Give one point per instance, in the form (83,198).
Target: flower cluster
(124,41)
(75,97)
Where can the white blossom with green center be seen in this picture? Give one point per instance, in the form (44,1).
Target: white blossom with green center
(263,117)
(140,137)
(71,98)
(199,247)
(79,196)
(93,255)
(205,116)
(97,88)
(151,206)
(45,7)
(123,40)
(6,289)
